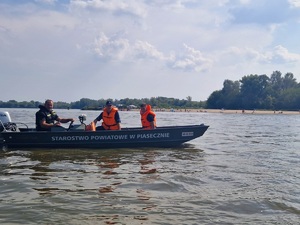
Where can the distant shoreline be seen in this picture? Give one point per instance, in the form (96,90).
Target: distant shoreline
(231,111)
(225,111)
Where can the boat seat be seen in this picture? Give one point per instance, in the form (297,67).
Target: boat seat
(77,127)
(58,129)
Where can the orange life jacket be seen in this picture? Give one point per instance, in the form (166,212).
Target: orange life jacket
(145,123)
(109,122)
(90,127)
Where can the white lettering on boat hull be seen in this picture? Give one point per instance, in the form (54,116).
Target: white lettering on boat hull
(187,134)
(70,138)
(110,137)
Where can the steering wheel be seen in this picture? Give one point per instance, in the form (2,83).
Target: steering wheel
(70,126)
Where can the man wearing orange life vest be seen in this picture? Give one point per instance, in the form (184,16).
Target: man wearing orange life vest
(148,117)
(110,118)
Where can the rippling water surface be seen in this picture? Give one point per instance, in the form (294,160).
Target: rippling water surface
(244,170)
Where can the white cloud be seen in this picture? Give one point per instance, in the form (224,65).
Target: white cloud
(277,55)
(294,3)
(282,55)
(116,6)
(192,60)
(114,49)
(50,2)
(121,49)
(145,50)
(245,2)
(246,55)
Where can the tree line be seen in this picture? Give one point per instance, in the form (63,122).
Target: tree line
(86,103)
(276,92)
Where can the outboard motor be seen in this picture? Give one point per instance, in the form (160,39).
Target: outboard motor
(5,122)
(5,117)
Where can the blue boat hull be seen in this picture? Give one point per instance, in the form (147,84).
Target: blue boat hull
(162,137)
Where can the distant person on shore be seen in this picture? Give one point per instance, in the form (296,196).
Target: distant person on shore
(46,118)
(110,118)
(148,117)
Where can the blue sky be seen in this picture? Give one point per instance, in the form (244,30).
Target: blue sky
(72,49)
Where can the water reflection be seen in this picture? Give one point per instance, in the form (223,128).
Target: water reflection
(244,170)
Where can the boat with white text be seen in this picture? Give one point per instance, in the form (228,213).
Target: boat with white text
(14,135)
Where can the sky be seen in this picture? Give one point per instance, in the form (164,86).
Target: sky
(66,50)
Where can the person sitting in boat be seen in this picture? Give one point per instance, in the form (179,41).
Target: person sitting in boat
(148,117)
(46,118)
(110,118)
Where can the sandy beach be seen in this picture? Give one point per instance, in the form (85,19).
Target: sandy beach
(258,112)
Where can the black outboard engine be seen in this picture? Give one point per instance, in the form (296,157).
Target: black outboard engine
(6,124)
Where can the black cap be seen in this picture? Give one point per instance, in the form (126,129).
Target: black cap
(108,103)
(143,105)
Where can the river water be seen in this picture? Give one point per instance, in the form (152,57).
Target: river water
(244,170)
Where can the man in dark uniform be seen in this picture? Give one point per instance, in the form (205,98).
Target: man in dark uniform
(46,118)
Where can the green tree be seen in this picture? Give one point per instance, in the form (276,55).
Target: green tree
(215,101)
(230,94)
(227,97)
(254,91)
(289,81)
(289,99)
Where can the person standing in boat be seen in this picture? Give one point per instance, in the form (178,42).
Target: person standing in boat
(148,117)
(46,118)
(110,118)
